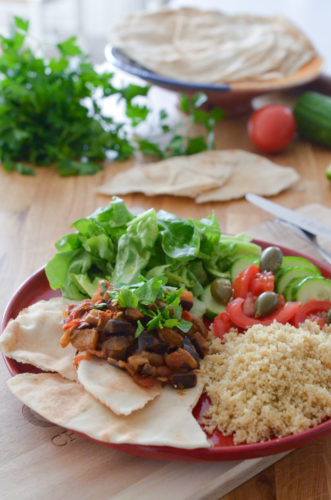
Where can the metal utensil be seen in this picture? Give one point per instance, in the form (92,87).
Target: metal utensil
(304,226)
(311,237)
(305,223)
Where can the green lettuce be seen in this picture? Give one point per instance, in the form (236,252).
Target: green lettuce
(114,244)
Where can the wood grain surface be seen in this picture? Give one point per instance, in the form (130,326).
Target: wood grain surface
(36,211)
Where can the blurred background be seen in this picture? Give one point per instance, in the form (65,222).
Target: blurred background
(91,20)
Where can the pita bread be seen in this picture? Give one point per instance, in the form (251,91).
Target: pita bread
(251,174)
(208,176)
(166,421)
(205,46)
(178,176)
(33,337)
(114,387)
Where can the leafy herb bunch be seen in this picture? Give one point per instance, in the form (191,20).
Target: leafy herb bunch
(50,112)
(43,119)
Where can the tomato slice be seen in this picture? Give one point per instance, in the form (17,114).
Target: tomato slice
(262,282)
(240,319)
(249,305)
(311,310)
(222,324)
(242,282)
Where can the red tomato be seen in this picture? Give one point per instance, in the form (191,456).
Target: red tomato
(222,324)
(240,319)
(271,128)
(242,282)
(313,310)
(262,282)
(249,305)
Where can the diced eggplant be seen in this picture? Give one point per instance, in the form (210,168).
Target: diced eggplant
(115,327)
(137,361)
(183,380)
(116,346)
(189,347)
(200,343)
(181,361)
(149,342)
(172,337)
(155,359)
(104,317)
(84,339)
(199,325)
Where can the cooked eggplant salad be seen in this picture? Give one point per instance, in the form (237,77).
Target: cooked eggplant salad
(145,329)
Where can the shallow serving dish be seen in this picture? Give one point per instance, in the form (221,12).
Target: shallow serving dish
(234,97)
(36,288)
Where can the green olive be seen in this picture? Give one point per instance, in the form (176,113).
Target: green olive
(265,304)
(221,290)
(328,317)
(271,259)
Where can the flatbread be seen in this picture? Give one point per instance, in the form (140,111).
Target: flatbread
(207,46)
(177,176)
(166,421)
(114,387)
(33,337)
(208,176)
(251,174)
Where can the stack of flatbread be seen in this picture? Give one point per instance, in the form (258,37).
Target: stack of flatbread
(97,399)
(205,46)
(208,176)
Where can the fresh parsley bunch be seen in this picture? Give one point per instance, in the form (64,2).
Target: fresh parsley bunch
(50,112)
(43,118)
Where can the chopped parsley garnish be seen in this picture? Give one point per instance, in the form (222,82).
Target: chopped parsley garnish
(156,300)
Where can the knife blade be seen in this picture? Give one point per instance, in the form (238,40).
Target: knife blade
(313,226)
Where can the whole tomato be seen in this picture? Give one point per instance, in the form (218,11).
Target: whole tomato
(272,128)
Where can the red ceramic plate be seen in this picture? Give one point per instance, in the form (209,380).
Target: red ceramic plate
(37,288)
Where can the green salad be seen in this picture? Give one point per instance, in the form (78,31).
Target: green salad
(120,247)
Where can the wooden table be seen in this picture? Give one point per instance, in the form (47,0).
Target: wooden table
(36,211)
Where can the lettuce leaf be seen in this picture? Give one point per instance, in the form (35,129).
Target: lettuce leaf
(115,245)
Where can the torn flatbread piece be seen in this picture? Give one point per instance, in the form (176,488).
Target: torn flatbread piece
(166,421)
(177,176)
(250,174)
(33,337)
(114,387)
(208,176)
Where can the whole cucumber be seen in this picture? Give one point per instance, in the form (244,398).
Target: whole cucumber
(312,113)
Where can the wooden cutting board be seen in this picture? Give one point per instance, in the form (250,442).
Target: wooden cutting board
(40,460)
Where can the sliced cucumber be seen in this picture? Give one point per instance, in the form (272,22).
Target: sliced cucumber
(198,309)
(312,287)
(241,263)
(286,275)
(292,261)
(288,293)
(212,307)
